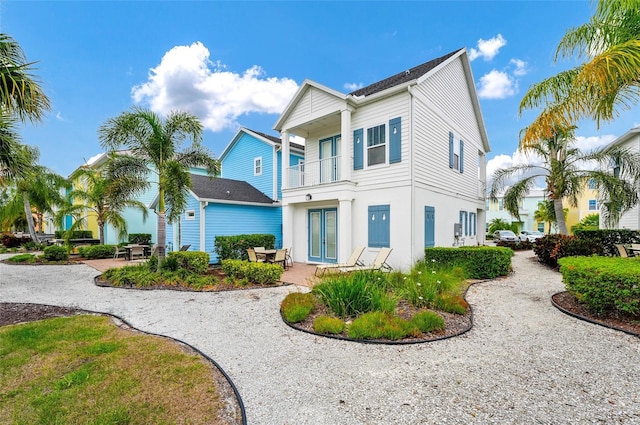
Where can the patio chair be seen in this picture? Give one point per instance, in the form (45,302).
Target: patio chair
(353,261)
(136,251)
(119,252)
(289,258)
(280,258)
(184,247)
(253,257)
(261,252)
(622,250)
(380,263)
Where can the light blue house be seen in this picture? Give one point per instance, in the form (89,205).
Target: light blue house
(243,200)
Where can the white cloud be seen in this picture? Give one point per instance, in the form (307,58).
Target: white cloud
(59,116)
(353,86)
(586,144)
(186,79)
(487,49)
(521,67)
(496,85)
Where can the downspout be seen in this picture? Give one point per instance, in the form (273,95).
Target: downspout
(411,174)
(203,206)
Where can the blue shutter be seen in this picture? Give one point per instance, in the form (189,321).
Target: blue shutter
(450,150)
(395,140)
(379,226)
(358,149)
(461,156)
(429,227)
(461,221)
(466,223)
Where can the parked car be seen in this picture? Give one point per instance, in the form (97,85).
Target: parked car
(530,235)
(505,236)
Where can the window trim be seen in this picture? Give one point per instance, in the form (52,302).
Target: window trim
(596,205)
(190,215)
(257,163)
(365,136)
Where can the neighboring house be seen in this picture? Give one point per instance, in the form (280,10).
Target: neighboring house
(630,219)
(243,200)
(587,204)
(399,163)
(528,207)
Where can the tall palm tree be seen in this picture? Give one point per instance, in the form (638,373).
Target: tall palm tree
(565,171)
(16,159)
(154,146)
(95,192)
(607,83)
(20,91)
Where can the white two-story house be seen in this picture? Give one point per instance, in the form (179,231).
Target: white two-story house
(399,163)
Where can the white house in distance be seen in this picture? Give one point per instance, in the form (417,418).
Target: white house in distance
(399,163)
(630,219)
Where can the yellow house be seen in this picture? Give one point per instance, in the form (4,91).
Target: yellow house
(587,204)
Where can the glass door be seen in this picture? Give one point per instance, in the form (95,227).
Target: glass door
(323,235)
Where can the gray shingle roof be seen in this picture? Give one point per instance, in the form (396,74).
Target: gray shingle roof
(402,77)
(277,140)
(227,190)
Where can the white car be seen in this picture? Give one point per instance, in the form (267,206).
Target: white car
(530,235)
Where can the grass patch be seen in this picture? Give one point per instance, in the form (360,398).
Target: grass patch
(328,325)
(84,369)
(297,306)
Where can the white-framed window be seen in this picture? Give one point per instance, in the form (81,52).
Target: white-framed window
(190,215)
(500,204)
(592,184)
(257,166)
(456,153)
(593,205)
(377,145)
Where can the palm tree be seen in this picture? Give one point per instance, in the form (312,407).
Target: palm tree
(545,213)
(94,194)
(607,83)
(565,172)
(498,224)
(16,159)
(20,92)
(39,190)
(154,147)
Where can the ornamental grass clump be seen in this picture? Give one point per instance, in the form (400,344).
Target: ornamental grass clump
(22,258)
(381,325)
(427,283)
(328,325)
(451,303)
(428,321)
(351,294)
(297,306)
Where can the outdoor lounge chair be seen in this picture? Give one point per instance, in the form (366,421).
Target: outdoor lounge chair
(380,263)
(353,261)
(622,251)
(184,247)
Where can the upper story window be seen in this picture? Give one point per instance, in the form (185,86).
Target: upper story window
(593,205)
(591,184)
(377,145)
(500,204)
(257,166)
(456,153)
(190,215)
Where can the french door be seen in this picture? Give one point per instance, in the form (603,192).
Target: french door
(323,235)
(329,154)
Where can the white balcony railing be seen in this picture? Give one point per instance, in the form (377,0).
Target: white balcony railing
(326,170)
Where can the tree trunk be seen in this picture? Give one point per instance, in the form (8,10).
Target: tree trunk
(27,212)
(162,237)
(101,232)
(557,208)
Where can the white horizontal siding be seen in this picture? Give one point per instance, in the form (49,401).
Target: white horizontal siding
(313,104)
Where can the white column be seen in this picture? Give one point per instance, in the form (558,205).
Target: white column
(285,158)
(287,231)
(203,224)
(345,235)
(347,145)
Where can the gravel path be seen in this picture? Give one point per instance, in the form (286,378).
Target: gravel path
(524,362)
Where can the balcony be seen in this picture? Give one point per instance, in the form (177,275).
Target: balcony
(326,170)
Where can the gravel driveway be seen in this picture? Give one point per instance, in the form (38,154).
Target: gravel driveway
(524,362)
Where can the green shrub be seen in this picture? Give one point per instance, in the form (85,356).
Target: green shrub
(297,306)
(55,253)
(195,261)
(235,247)
(22,258)
(550,248)
(484,262)
(381,325)
(351,294)
(427,281)
(140,238)
(170,263)
(262,273)
(140,276)
(9,240)
(603,284)
(516,246)
(76,234)
(328,325)
(428,321)
(97,251)
(451,304)
(605,240)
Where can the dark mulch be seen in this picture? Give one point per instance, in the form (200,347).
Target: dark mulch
(12,313)
(625,323)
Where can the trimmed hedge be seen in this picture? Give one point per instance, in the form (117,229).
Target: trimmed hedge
(262,273)
(603,284)
(76,234)
(482,262)
(605,239)
(55,253)
(194,261)
(140,238)
(516,246)
(551,248)
(97,251)
(235,247)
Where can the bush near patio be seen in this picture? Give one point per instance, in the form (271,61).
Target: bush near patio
(56,253)
(263,273)
(96,251)
(478,262)
(76,234)
(235,247)
(516,246)
(374,305)
(140,238)
(604,284)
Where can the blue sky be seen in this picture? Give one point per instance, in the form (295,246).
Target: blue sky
(238,63)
